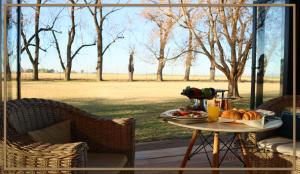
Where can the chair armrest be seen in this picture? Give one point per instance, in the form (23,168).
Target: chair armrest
(40,155)
(107,135)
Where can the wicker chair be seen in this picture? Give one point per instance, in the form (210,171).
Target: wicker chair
(89,133)
(265,157)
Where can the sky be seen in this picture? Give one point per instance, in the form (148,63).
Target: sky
(138,33)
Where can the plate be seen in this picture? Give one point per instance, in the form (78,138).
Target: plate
(190,120)
(168,115)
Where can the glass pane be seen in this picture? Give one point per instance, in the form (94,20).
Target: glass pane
(65,65)
(11,51)
(270,51)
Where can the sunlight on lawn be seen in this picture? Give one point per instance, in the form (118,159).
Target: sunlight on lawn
(143,100)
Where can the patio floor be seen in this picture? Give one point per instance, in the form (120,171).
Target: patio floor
(171,157)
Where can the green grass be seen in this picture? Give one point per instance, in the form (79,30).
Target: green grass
(142,100)
(148,126)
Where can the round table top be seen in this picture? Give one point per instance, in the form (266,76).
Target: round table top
(228,127)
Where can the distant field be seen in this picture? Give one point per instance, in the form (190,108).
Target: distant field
(124,77)
(143,100)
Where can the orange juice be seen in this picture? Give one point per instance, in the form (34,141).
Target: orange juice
(213,112)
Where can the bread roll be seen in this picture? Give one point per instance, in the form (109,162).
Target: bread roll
(251,115)
(231,114)
(236,115)
(242,111)
(225,114)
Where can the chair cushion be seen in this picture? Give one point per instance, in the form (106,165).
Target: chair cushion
(286,130)
(106,160)
(58,133)
(280,145)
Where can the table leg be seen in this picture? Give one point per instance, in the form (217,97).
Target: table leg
(216,147)
(189,149)
(244,151)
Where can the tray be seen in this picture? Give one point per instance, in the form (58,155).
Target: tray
(267,116)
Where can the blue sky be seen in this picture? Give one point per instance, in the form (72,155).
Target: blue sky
(138,33)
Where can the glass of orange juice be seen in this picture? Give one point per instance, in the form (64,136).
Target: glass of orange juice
(213,111)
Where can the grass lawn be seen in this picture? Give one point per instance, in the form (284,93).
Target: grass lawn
(143,100)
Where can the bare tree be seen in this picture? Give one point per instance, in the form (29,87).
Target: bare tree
(162,18)
(191,47)
(10,48)
(99,18)
(131,65)
(34,59)
(70,55)
(192,18)
(189,58)
(225,39)
(27,41)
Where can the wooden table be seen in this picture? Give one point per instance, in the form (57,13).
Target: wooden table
(216,128)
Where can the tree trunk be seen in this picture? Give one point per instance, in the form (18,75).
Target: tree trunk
(130,67)
(233,90)
(212,72)
(68,72)
(71,36)
(69,60)
(187,73)
(99,28)
(130,76)
(100,70)
(159,74)
(35,75)
(100,58)
(37,42)
(189,58)
(8,71)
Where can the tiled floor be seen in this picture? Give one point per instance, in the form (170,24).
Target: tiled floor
(171,157)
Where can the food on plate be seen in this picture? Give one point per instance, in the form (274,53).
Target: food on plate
(232,114)
(189,114)
(182,113)
(186,108)
(242,111)
(241,114)
(252,115)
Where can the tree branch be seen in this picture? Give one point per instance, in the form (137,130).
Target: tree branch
(45,50)
(47,28)
(58,51)
(26,48)
(94,14)
(82,46)
(177,56)
(119,36)
(109,13)
(152,51)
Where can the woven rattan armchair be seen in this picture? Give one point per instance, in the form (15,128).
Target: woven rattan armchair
(267,158)
(89,134)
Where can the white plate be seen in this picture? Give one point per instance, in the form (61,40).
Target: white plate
(186,120)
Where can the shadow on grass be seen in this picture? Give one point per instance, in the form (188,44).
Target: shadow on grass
(148,126)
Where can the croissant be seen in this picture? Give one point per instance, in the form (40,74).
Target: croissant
(251,115)
(232,114)
(242,111)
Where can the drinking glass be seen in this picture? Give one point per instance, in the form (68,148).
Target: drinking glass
(213,112)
